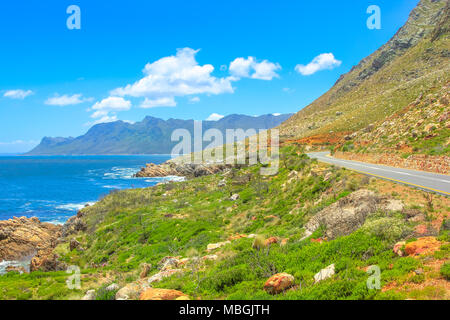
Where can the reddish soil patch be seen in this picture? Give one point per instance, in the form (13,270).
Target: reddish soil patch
(320,139)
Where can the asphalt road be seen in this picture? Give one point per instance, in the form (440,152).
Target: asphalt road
(429,181)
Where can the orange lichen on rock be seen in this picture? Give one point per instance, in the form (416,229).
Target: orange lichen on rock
(422,246)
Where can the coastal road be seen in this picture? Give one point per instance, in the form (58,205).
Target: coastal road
(428,181)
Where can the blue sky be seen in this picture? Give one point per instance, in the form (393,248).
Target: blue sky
(174,59)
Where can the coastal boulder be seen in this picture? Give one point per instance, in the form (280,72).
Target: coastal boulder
(324,274)
(234,197)
(22,237)
(145,270)
(214,246)
(163,294)
(46,260)
(163,274)
(422,246)
(73,226)
(112,287)
(90,295)
(270,241)
(168,263)
(18,269)
(279,283)
(74,244)
(131,291)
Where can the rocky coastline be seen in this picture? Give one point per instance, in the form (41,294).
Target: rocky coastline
(22,237)
(27,244)
(187,170)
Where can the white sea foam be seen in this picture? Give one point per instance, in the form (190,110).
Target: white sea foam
(175,178)
(165,179)
(74,206)
(111,187)
(4,264)
(120,173)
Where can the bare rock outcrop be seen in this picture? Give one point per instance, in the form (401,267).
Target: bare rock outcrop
(46,260)
(189,170)
(73,226)
(349,213)
(279,283)
(21,237)
(162,294)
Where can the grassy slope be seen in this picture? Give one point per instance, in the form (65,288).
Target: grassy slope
(421,127)
(370,93)
(130,227)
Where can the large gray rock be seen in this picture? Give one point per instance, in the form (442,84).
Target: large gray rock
(350,213)
(73,226)
(112,287)
(90,295)
(345,216)
(131,291)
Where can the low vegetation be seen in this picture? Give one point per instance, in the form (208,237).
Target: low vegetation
(129,228)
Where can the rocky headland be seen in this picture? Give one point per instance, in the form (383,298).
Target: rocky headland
(22,237)
(188,170)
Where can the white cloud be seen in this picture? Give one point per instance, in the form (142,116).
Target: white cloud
(214,117)
(276,114)
(175,76)
(18,94)
(321,62)
(105,119)
(66,100)
(105,110)
(194,100)
(159,102)
(111,104)
(250,68)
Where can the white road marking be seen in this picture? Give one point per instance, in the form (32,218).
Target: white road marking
(349,162)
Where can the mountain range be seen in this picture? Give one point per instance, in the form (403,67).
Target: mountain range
(149,136)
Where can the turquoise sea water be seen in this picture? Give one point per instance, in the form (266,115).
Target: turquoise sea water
(55,188)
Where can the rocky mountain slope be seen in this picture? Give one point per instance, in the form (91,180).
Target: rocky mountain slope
(416,137)
(414,62)
(150,136)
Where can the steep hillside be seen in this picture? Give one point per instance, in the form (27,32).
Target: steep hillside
(413,63)
(421,127)
(150,136)
(232,235)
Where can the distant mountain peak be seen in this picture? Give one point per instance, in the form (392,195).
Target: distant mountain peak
(149,136)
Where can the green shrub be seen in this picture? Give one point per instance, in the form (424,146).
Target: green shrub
(388,229)
(103,294)
(445,270)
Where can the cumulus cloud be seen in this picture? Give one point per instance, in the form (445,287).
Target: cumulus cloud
(251,68)
(175,76)
(321,62)
(112,104)
(214,117)
(66,100)
(105,110)
(18,94)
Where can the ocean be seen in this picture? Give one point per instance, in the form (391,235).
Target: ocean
(54,188)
